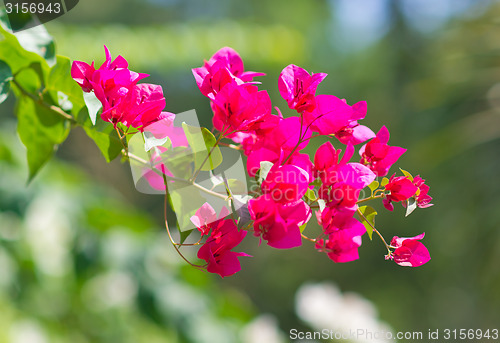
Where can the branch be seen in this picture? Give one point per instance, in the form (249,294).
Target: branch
(41,102)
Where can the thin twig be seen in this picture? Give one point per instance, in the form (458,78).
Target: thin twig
(41,102)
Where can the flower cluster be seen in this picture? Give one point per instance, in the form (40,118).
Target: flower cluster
(123,99)
(290,186)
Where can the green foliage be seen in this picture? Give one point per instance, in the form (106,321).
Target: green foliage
(367,217)
(373,186)
(303,227)
(407,174)
(384,182)
(115,282)
(265,167)
(59,80)
(311,195)
(104,136)
(207,155)
(40,130)
(13,52)
(5,78)
(235,187)
(48,99)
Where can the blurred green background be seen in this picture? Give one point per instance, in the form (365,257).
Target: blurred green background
(430,72)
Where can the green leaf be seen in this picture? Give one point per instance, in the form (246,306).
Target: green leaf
(367,217)
(40,130)
(411,205)
(5,78)
(207,155)
(261,175)
(311,195)
(303,227)
(384,182)
(185,201)
(150,141)
(59,80)
(15,54)
(30,79)
(373,186)
(235,186)
(93,105)
(35,39)
(316,183)
(106,139)
(410,177)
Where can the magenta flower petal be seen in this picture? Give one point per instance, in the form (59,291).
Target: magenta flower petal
(409,251)
(286,183)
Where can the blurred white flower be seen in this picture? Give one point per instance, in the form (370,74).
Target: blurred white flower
(27,331)
(109,290)
(48,233)
(323,306)
(263,329)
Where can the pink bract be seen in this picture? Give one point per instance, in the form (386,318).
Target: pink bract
(401,189)
(123,100)
(298,87)
(343,240)
(217,251)
(238,107)
(409,251)
(278,223)
(224,67)
(379,156)
(287,183)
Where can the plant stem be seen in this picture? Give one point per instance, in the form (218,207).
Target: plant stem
(375,230)
(175,245)
(172,178)
(232,146)
(370,198)
(41,102)
(197,172)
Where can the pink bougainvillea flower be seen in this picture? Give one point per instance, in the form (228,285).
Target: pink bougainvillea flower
(280,142)
(123,101)
(139,107)
(286,183)
(214,81)
(343,241)
(409,251)
(278,223)
(111,75)
(82,73)
(216,251)
(164,127)
(224,67)
(355,133)
(333,116)
(234,63)
(330,115)
(379,156)
(259,155)
(331,170)
(339,194)
(401,189)
(206,219)
(236,108)
(423,199)
(298,87)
